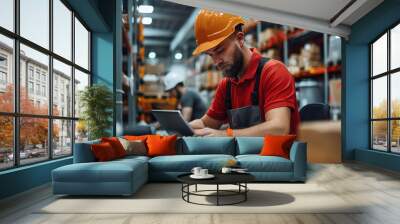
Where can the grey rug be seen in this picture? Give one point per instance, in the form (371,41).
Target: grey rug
(166,198)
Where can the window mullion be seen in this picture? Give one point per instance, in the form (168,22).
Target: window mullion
(73,82)
(389,106)
(16,84)
(50,81)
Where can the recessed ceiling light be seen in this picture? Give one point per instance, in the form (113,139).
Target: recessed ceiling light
(152,55)
(147,20)
(145,9)
(178,56)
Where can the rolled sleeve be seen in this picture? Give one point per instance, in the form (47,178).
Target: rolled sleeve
(280,88)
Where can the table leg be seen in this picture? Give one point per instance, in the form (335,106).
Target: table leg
(245,191)
(217,194)
(196,188)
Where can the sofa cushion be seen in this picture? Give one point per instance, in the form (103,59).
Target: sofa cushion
(136,147)
(103,152)
(161,145)
(257,163)
(249,145)
(277,145)
(111,171)
(207,145)
(185,163)
(116,145)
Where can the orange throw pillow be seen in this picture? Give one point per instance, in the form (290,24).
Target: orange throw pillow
(103,152)
(161,145)
(116,145)
(277,145)
(135,137)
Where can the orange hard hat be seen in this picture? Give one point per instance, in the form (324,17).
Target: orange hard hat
(211,28)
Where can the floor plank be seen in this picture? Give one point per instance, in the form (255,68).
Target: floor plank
(376,190)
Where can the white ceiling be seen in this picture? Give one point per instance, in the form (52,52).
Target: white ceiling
(315,15)
(321,9)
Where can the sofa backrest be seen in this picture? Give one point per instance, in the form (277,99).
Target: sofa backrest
(249,145)
(206,145)
(83,152)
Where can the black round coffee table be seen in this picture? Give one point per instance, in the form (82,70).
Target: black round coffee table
(238,179)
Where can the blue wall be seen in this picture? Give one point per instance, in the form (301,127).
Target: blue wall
(100,16)
(24,178)
(356,84)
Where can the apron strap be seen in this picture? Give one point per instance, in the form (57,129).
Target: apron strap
(254,94)
(228,100)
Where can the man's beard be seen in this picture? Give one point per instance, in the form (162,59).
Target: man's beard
(234,70)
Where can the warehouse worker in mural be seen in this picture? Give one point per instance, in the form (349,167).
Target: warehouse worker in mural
(257,96)
(190,102)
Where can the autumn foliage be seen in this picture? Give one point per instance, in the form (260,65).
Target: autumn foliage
(33,131)
(380,127)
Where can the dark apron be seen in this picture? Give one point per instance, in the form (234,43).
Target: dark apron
(245,117)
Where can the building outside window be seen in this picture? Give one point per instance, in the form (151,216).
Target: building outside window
(30,87)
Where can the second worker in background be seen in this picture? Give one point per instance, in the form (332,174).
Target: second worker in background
(190,102)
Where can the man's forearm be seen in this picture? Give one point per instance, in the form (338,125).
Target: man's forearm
(267,127)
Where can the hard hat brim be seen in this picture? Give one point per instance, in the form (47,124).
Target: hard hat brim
(170,88)
(208,45)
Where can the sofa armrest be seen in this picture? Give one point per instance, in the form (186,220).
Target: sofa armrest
(298,155)
(83,152)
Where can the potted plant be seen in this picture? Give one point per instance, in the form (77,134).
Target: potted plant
(96,103)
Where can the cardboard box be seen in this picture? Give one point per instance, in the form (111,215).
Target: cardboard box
(323,140)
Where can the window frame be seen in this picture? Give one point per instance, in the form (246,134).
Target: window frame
(16,114)
(388,74)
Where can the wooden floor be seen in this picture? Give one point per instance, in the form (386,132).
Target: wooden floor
(378,189)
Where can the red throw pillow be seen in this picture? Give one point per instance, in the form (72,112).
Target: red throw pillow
(116,145)
(277,145)
(103,152)
(161,145)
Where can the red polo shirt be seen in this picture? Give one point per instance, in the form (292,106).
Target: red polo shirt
(277,89)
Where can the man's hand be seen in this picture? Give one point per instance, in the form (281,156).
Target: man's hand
(209,132)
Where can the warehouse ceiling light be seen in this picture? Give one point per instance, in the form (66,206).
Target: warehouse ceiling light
(147,20)
(145,9)
(152,55)
(178,56)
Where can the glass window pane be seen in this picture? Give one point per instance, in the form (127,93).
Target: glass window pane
(62,138)
(34,74)
(35,21)
(81,81)
(6,74)
(395,47)
(6,142)
(62,29)
(379,97)
(395,94)
(379,135)
(81,45)
(395,136)
(62,89)
(7,14)
(81,131)
(33,140)
(379,56)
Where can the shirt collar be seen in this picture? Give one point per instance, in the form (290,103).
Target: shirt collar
(250,70)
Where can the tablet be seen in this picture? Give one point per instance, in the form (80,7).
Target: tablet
(172,121)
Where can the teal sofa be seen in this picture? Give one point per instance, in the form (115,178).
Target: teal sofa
(125,176)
